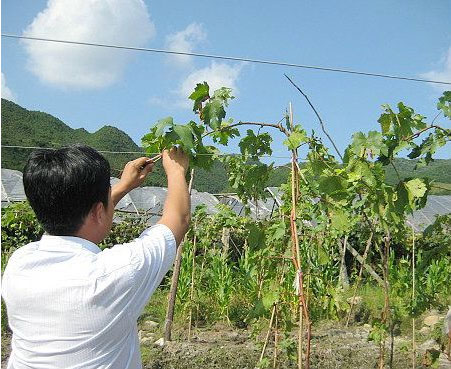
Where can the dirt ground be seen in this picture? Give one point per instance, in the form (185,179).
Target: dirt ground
(333,346)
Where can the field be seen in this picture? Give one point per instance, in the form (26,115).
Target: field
(334,278)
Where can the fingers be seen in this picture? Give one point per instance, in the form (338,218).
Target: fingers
(141,162)
(147,169)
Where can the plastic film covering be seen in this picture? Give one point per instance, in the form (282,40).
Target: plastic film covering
(12,187)
(435,206)
(149,202)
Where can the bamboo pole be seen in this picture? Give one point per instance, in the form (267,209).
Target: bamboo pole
(296,258)
(276,340)
(413,298)
(268,333)
(300,336)
(175,281)
(191,293)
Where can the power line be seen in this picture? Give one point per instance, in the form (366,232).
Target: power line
(131,152)
(233,58)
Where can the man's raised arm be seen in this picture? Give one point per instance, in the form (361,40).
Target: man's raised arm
(176,211)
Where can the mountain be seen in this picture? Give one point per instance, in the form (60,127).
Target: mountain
(22,127)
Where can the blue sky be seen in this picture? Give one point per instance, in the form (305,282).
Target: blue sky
(90,87)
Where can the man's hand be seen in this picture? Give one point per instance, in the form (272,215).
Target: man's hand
(133,175)
(175,161)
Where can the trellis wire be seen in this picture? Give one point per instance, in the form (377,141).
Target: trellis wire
(223,57)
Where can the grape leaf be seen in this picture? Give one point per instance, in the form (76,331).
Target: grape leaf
(213,113)
(256,146)
(296,138)
(224,94)
(416,189)
(444,104)
(199,95)
(339,220)
(186,136)
(162,124)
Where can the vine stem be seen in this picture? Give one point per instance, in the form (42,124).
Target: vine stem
(277,125)
(415,135)
(323,128)
(175,280)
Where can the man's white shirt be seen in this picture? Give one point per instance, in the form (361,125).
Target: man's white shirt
(71,305)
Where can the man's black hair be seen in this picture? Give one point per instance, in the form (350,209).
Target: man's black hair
(62,186)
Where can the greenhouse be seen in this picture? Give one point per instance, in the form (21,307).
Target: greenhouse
(149,201)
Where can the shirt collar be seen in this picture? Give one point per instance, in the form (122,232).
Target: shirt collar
(68,241)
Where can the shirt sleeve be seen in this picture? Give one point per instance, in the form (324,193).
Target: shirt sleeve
(134,270)
(152,256)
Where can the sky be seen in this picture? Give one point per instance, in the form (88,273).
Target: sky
(91,87)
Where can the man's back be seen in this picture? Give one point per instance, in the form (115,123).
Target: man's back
(72,306)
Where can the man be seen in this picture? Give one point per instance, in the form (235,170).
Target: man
(69,304)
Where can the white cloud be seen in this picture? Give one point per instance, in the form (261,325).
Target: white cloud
(6,91)
(216,75)
(441,74)
(98,21)
(185,41)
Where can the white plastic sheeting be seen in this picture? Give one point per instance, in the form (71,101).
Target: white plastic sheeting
(12,187)
(149,201)
(258,210)
(435,206)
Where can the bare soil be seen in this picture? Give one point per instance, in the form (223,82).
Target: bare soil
(220,346)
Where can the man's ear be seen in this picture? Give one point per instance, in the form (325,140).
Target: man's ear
(97,212)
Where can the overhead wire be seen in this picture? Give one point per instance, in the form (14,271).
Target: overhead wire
(232,58)
(131,152)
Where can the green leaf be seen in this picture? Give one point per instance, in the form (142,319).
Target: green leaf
(224,94)
(295,139)
(416,189)
(323,256)
(280,231)
(256,236)
(444,104)
(385,121)
(339,220)
(331,184)
(199,95)
(162,124)
(371,146)
(213,113)
(186,136)
(256,146)
(270,297)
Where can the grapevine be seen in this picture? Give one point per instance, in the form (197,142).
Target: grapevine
(325,200)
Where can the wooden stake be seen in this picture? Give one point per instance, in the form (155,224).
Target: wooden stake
(300,336)
(413,298)
(297,255)
(175,281)
(276,340)
(191,293)
(268,333)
